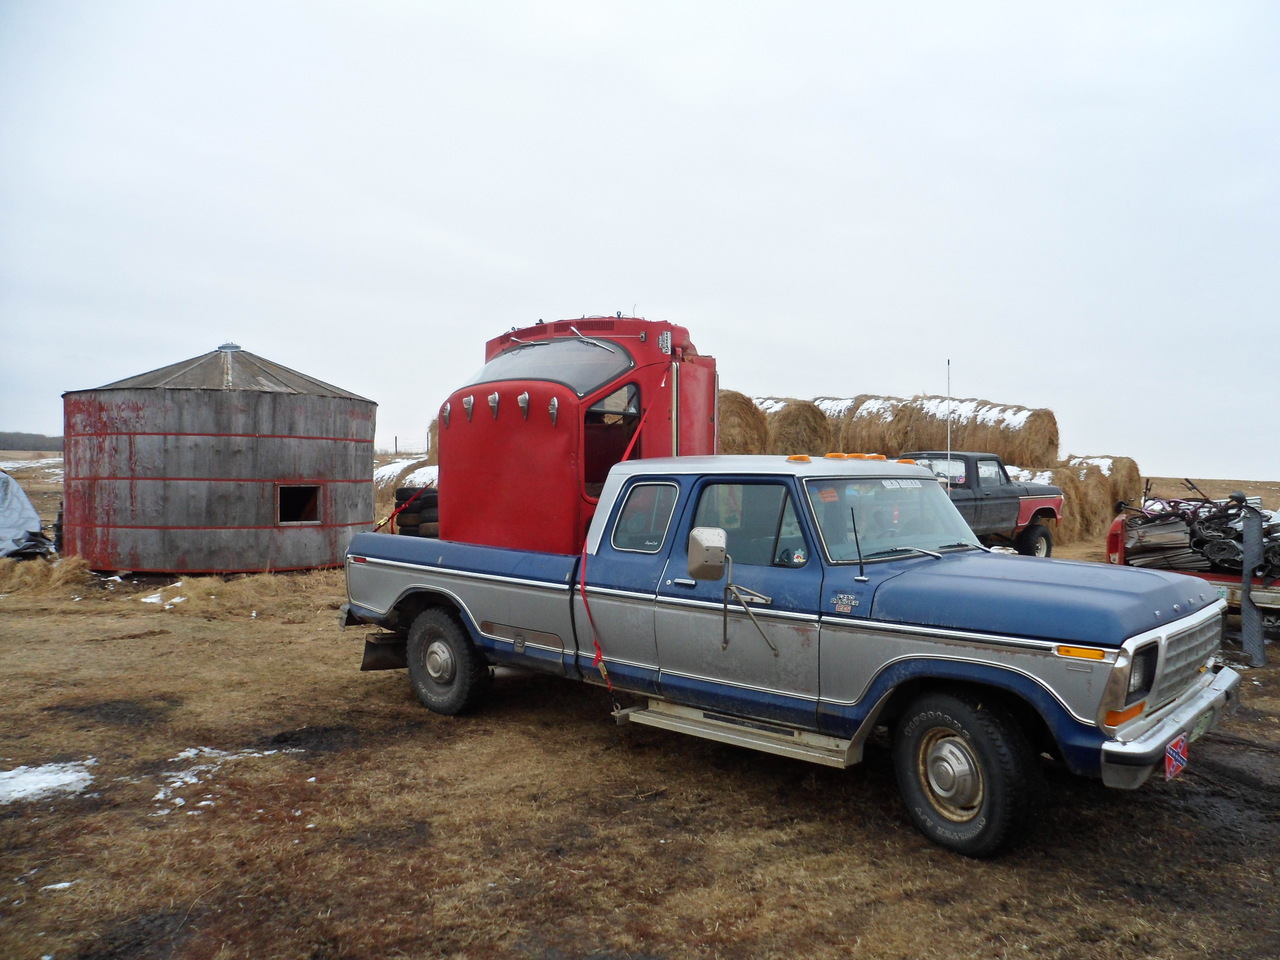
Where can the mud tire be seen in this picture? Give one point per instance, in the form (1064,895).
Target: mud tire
(446,671)
(969,778)
(1034,541)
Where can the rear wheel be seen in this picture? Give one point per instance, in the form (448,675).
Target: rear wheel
(969,778)
(447,672)
(1035,541)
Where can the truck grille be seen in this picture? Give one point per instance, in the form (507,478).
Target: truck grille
(1184,654)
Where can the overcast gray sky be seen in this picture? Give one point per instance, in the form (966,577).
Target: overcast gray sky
(1077,204)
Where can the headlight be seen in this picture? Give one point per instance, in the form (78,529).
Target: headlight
(1142,674)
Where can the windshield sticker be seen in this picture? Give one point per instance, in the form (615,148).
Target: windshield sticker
(901,483)
(828,495)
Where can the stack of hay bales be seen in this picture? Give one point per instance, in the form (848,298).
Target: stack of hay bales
(743,426)
(795,426)
(889,425)
(1026,439)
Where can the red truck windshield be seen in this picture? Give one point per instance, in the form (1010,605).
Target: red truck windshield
(582,365)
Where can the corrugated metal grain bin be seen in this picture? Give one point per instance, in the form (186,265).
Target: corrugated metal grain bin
(225,463)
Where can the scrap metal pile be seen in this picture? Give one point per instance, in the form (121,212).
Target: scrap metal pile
(1199,534)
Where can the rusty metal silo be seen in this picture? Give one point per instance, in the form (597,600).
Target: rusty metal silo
(225,463)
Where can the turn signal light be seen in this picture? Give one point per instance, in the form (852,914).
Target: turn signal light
(1116,717)
(1083,653)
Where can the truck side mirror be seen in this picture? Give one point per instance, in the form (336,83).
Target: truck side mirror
(707,546)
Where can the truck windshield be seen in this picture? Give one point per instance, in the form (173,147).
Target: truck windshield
(582,365)
(890,512)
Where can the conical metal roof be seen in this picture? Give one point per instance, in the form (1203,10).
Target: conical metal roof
(230,368)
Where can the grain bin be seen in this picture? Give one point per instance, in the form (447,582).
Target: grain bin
(225,463)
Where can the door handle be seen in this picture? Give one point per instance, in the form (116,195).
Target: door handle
(682,582)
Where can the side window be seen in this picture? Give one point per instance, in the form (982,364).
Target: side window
(644,517)
(989,474)
(607,428)
(759,519)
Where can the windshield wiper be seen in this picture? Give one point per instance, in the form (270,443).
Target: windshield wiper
(890,551)
(962,543)
(594,343)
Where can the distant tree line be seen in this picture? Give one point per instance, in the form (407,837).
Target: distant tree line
(29,441)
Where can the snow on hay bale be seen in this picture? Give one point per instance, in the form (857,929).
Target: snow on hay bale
(893,425)
(868,424)
(743,427)
(795,426)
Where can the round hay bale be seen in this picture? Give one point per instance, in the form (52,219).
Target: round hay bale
(1069,527)
(795,426)
(1015,433)
(1089,509)
(743,427)
(872,425)
(1122,473)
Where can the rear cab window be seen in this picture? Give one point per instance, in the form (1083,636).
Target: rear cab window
(645,518)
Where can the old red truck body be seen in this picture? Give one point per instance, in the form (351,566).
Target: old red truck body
(525,444)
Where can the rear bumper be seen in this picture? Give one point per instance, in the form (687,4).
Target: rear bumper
(1127,764)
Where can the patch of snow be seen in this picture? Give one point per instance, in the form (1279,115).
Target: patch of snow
(36,783)
(60,886)
(423,477)
(1105,464)
(389,471)
(878,408)
(49,462)
(208,762)
(1023,475)
(834,407)
(769,404)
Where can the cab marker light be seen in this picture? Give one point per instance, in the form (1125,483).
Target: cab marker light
(797,458)
(1082,653)
(877,456)
(905,460)
(857,456)
(835,456)
(1116,717)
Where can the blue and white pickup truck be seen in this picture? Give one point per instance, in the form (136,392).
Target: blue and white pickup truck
(793,605)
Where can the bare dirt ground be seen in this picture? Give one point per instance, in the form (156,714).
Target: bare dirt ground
(254,795)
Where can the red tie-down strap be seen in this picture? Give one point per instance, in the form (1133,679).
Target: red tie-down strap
(598,662)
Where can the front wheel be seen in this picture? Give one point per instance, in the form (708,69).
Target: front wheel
(967,773)
(1035,541)
(447,672)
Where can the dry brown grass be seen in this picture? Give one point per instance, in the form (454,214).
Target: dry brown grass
(345,821)
(41,576)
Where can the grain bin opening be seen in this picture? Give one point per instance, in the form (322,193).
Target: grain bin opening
(224,463)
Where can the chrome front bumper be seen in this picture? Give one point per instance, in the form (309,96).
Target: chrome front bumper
(1126,764)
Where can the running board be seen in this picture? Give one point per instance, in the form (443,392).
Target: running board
(755,734)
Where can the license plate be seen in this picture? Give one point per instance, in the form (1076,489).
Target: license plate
(1175,756)
(1202,725)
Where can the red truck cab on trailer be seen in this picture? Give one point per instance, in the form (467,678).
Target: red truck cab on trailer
(525,444)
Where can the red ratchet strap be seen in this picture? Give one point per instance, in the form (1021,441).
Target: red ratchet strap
(595,634)
(397,510)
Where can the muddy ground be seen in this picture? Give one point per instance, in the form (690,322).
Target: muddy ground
(254,795)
